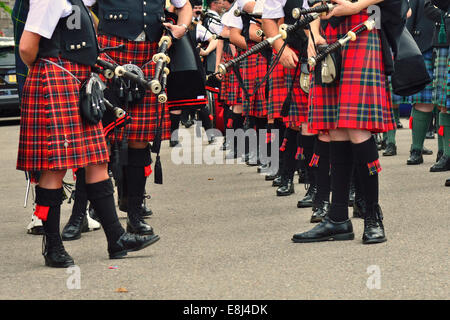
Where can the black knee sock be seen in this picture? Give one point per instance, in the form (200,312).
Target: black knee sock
(138,159)
(238,121)
(101,196)
(80,203)
(174,125)
(321,160)
(367,167)
(341,160)
(307,144)
(48,208)
(204,118)
(289,160)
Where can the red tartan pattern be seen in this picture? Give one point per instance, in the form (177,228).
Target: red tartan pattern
(144,114)
(361,99)
(230,92)
(253,69)
(280,82)
(53,136)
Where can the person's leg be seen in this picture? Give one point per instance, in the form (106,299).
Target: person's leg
(289,161)
(307,144)
(367,166)
(138,160)
(444,133)
(321,160)
(78,221)
(49,194)
(336,225)
(100,192)
(421,115)
(175,116)
(238,123)
(391,147)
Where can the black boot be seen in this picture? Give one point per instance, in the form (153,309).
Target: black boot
(54,253)
(320,212)
(373,226)
(415,157)
(101,196)
(49,201)
(442,165)
(78,220)
(308,200)
(138,159)
(287,188)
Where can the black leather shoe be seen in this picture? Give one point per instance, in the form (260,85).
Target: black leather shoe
(399,125)
(130,242)
(373,227)
(308,199)
(439,155)
(391,150)
(211,139)
(75,226)
(277,182)
(263,168)
(429,134)
(135,222)
(286,189)
(415,157)
(320,212)
(359,208)
(427,152)
(146,212)
(442,165)
(447,182)
(326,230)
(382,145)
(54,253)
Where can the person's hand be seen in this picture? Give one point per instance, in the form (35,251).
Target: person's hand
(344,8)
(177,31)
(219,76)
(311,47)
(203,53)
(289,58)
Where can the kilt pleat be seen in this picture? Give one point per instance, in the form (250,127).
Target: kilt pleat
(230,91)
(144,114)
(253,69)
(441,78)
(280,82)
(53,136)
(426,95)
(361,98)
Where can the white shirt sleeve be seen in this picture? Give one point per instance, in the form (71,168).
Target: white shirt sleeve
(233,21)
(44,15)
(273,9)
(89,3)
(215,26)
(202,34)
(178,3)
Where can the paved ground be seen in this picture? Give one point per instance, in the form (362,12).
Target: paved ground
(225,235)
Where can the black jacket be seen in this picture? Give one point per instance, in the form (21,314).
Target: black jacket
(420,25)
(435,14)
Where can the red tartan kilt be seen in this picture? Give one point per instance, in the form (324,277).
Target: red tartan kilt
(53,136)
(361,98)
(253,69)
(230,90)
(144,114)
(281,80)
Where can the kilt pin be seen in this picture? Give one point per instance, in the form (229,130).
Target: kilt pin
(144,120)
(360,99)
(53,136)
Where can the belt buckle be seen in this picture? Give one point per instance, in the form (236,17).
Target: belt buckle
(141,37)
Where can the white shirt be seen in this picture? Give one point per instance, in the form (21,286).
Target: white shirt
(202,34)
(273,9)
(44,15)
(213,25)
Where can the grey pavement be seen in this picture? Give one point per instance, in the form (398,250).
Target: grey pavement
(225,235)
